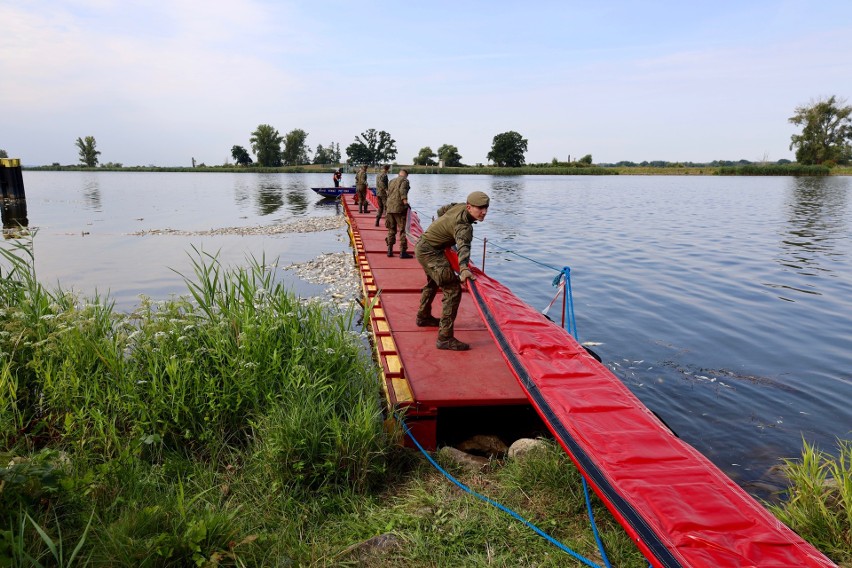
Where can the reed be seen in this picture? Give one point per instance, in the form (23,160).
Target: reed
(774,170)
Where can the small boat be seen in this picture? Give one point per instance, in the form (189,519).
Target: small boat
(337,191)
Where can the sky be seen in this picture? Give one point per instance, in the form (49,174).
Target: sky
(161,83)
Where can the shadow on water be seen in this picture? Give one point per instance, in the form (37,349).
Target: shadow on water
(816,209)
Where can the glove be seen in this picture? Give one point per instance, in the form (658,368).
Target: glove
(465,274)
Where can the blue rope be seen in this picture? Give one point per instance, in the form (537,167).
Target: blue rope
(569,317)
(594,525)
(503,508)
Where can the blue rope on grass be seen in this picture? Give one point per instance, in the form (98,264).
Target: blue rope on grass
(505,509)
(594,525)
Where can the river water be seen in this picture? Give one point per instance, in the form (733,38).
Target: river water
(723,303)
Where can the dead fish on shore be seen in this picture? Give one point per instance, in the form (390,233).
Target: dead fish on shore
(308,225)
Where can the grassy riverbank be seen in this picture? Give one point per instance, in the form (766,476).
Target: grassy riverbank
(242,427)
(236,427)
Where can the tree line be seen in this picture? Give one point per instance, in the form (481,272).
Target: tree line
(825,139)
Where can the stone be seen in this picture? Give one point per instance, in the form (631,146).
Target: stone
(523,446)
(465,460)
(484,445)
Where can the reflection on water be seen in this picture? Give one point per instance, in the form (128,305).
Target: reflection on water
(270,195)
(816,210)
(14,218)
(507,187)
(92,193)
(297,201)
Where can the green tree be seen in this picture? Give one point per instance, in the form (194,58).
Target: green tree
(321,155)
(295,148)
(586,160)
(334,154)
(241,156)
(449,154)
(508,149)
(327,154)
(372,147)
(3,153)
(266,145)
(88,151)
(424,158)
(826,132)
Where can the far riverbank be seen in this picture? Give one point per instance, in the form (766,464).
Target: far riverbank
(747,170)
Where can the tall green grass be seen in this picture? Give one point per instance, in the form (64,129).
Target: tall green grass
(819,503)
(99,408)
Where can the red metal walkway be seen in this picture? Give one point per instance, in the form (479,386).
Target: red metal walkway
(417,376)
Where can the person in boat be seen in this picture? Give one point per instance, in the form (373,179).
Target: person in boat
(397,213)
(337,177)
(454,226)
(381,191)
(361,189)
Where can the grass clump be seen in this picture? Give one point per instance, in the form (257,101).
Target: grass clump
(819,504)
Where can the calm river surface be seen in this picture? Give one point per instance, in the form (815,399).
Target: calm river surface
(724,303)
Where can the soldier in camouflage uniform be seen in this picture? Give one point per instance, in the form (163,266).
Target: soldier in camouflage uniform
(381,191)
(397,213)
(361,189)
(454,226)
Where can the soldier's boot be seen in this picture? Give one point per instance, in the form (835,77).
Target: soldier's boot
(428,321)
(390,250)
(377,221)
(404,254)
(451,344)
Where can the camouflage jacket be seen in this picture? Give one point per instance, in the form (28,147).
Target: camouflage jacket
(361,178)
(382,185)
(397,200)
(454,226)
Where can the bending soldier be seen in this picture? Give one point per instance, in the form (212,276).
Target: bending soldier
(454,226)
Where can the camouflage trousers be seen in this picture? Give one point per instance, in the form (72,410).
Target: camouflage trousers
(439,274)
(381,209)
(395,222)
(361,198)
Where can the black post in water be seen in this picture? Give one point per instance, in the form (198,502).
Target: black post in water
(11,179)
(14,205)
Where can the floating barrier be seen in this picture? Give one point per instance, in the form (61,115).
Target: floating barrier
(679,509)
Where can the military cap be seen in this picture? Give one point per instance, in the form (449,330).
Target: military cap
(478,199)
